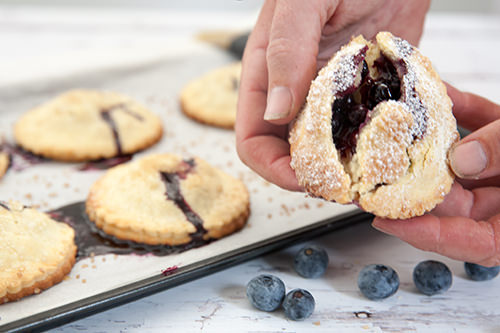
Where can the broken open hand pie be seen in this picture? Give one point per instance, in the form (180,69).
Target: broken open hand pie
(376,130)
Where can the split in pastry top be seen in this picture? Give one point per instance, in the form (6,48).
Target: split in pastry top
(376,129)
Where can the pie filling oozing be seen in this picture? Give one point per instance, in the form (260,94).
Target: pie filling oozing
(4,205)
(173,192)
(351,108)
(19,159)
(106,116)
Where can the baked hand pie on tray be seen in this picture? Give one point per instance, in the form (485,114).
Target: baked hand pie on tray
(164,199)
(375,130)
(4,162)
(36,252)
(212,98)
(82,125)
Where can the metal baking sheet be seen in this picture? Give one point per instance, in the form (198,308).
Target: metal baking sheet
(278,217)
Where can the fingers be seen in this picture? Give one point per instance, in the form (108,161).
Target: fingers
(478,204)
(466,226)
(477,156)
(261,145)
(459,238)
(458,202)
(291,55)
(472,111)
(269,156)
(486,182)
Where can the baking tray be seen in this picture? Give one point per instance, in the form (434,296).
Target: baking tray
(278,218)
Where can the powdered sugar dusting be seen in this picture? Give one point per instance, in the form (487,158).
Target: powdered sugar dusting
(410,97)
(413,157)
(314,156)
(344,74)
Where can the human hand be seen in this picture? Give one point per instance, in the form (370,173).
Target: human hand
(466,225)
(291,40)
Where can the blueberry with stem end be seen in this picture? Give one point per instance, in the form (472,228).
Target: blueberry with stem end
(298,304)
(311,262)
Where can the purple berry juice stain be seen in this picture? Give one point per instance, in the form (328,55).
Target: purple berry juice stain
(104,164)
(19,158)
(91,241)
(173,193)
(106,116)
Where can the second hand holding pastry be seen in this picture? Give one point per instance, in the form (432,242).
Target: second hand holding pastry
(466,226)
(290,41)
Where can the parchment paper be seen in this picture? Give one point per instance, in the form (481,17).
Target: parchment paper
(157,85)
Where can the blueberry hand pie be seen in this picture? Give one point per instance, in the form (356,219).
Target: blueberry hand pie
(211,99)
(165,199)
(376,130)
(4,163)
(83,125)
(36,252)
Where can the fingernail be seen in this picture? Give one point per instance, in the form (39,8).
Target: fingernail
(468,160)
(279,103)
(383,225)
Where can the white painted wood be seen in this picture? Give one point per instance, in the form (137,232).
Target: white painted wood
(465,51)
(217,303)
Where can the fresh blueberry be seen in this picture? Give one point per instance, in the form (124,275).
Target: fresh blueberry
(481,273)
(298,304)
(378,281)
(432,277)
(311,262)
(266,292)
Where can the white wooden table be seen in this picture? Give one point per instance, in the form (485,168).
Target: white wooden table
(218,303)
(465,51)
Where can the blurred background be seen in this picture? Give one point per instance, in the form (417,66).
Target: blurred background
(47,39)
(487,6)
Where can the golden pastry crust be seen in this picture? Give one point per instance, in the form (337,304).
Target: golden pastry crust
(82,125)
(399,168)
(130,201)
(36,252)
(211,99)
(4,163)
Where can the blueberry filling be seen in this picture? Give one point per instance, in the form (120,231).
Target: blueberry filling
(104,164)
(20,159)
(92,241)
(4,205)
(106,116)
(351,107)
(173,192)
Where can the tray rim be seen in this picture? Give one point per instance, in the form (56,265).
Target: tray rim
(133,291)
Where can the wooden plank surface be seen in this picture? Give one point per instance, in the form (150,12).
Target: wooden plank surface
(465,51)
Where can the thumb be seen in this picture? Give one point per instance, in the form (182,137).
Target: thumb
(291,56)
(476,156)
